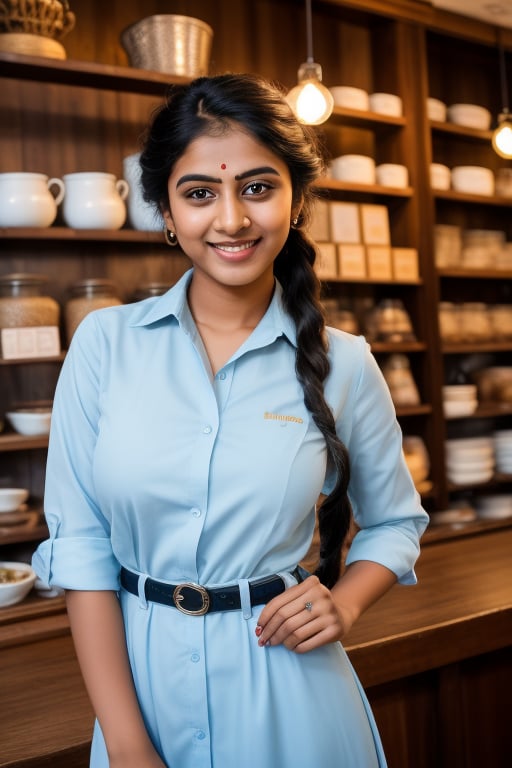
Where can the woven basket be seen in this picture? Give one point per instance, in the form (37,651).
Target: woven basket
(47,18)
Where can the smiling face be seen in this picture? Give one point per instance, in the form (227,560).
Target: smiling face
(230,206)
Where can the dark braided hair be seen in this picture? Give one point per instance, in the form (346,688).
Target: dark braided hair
(209,106)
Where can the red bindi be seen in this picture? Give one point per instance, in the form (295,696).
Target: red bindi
(223,166)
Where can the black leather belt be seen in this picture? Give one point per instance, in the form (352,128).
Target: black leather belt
(196,600)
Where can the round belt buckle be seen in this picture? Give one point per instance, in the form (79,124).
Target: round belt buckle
(178,598)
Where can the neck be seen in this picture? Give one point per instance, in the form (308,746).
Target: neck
(229,308)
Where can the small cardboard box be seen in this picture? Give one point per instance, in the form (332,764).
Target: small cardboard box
(378,258)
(405,263)
(319,229)
(326,266)
(351,260)
(39,341)
(345,224)
(375,224)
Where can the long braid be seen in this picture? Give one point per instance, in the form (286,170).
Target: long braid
(301,289)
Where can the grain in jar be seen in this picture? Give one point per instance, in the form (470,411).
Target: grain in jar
(22,303)
(87,295)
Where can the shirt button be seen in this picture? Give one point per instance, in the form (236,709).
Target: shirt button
(195,658)
(196,512)
(200,735)
(207,430)
(222,376)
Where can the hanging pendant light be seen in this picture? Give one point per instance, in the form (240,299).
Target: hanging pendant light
(311,101)
(502,136)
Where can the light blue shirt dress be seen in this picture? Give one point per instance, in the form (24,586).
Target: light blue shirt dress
(157,465)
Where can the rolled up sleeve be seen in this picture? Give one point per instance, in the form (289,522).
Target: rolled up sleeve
(386,505)
(78,553)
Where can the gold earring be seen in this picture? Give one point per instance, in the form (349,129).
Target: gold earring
(171,238)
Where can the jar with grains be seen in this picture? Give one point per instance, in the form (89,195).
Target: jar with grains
(22,304)
(450,327)
(86,296)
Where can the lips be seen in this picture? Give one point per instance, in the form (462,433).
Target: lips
(234,247)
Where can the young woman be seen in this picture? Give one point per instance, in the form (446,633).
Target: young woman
(192,435)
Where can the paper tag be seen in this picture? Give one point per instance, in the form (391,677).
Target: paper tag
(39,341)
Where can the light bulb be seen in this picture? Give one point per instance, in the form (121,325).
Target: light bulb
(311,101)
(502,136)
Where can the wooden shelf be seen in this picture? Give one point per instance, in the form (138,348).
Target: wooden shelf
(365,119)
(33,360)
(404,346)
(475,274)
(33,528)
(464,197)
(460,131)
(371,281)
(66,233)
(470,349)
(14,442)
(402,411)
(86,74)
(486,411)
(497,480)
(333,185)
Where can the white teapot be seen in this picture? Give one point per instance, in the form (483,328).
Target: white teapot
(94,200)
(26,199)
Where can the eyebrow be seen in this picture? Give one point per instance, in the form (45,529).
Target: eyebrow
(238,177)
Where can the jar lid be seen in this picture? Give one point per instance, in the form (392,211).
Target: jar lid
(93,286)
(17,283)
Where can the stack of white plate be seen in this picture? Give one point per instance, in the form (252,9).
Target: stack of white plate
(494,507)
(459,400)
(502,440)
(470,460)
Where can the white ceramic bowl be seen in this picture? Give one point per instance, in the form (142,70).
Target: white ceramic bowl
(465,515)
(473,179)
(440,176)
(352,98)
(359,169)
(12,592)
(456,408)
(392,175)
(436,110)
(30,422)
(470,116)
(459,392)
(12,498)
(469,476)
(386,104)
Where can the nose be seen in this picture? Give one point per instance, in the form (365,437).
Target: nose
(231,215)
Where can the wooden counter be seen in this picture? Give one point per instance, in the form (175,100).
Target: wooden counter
(460,611)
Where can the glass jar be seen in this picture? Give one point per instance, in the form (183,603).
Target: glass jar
(146,290)
(475,321)
(22,304)
(393,322)
(449,321)
(398,376)
(86,296)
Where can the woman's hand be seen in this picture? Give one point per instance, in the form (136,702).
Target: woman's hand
(302,618)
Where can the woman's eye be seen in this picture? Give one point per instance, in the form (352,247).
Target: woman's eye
(199,194)
(256,188)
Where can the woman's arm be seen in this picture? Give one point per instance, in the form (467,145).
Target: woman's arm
(286,620)
(99,638)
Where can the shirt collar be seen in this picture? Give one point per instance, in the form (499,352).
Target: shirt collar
(173,304)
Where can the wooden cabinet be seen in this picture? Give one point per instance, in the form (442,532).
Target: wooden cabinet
(88,112)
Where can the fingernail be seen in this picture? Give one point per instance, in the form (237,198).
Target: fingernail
(258,630)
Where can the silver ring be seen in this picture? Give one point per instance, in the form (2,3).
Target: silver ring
(308,606)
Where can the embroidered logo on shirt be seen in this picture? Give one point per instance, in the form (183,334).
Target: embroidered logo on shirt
(282,417)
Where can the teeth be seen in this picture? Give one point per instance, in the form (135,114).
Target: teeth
(235,248)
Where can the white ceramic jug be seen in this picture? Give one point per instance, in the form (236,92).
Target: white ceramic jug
(94,200)
(26,199)
(141,215)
